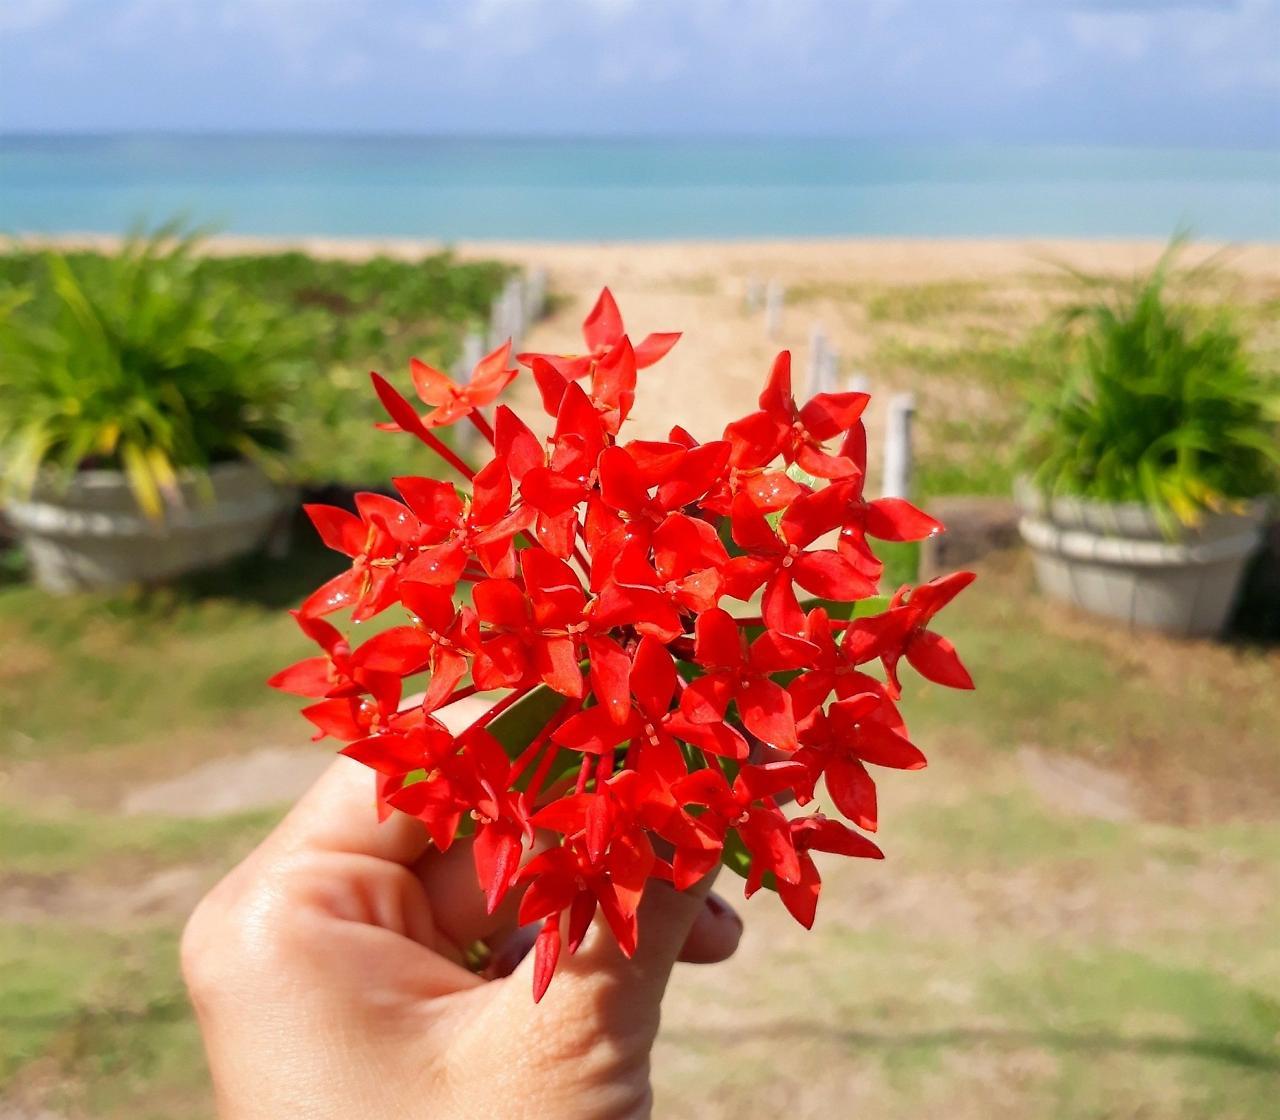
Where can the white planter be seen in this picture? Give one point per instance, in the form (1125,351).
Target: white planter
(91,533)
(1114,560)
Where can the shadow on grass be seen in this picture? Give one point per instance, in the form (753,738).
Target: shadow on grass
(1098,1042)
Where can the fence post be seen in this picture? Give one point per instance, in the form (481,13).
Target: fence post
(773,297)
(535,296)
(815,381)
(897,446)
(753,296)
(513,294)
(830,370)
(859,382)
(472,352)
(497,324)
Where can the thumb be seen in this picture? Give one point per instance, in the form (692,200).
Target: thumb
(600,975)
(588,1039)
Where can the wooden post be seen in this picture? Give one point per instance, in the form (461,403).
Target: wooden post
(830,379)
(513,310)
(535,296)
(815,381)
(472,352)
(497,324)
(773,298)
(897,446)
(859,382)
(753,297)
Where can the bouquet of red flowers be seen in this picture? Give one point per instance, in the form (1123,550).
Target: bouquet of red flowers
(643,731)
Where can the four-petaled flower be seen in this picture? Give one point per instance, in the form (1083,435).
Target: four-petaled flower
(639,730)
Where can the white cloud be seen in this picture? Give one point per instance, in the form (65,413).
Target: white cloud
(30,15)
(1121,34)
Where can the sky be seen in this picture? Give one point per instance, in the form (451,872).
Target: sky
(1161,72)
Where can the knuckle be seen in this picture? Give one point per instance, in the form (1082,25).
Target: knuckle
(232,938)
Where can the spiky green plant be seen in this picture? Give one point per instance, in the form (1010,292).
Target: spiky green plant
(1159,403)
(140,361)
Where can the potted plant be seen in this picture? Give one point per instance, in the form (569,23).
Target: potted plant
(140,427)
(1152,465)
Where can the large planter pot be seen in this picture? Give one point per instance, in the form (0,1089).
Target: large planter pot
(90,533)
(1114,560)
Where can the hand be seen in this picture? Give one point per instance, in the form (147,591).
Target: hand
(327,974)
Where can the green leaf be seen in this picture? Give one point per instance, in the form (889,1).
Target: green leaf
(738,860)
(841,611)
(516,727)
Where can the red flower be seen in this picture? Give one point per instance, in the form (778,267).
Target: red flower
(862,729)
(604,862)
(649,722)
(455,530)
(330,675)
(555,488)
(818,833)
(602,331)
(537,629)
(742,674)
(377,541)
(595,570)
(887,519)
(613,384)
(902,632)
(452,402)
(780,559)
(442,638)
(781,427)
(834,666)
(748,807)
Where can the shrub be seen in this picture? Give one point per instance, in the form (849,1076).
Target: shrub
(1159,403)
(138,361)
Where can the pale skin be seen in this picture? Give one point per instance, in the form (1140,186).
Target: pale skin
(326,972)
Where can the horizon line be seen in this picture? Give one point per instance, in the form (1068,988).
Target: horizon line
(297,133)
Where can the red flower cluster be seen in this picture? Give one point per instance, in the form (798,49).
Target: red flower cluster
(592,572)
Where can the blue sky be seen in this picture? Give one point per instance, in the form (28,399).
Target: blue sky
(1196,72)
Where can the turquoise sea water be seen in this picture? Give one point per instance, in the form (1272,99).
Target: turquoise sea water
(456,188)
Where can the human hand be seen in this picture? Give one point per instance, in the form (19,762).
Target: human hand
(328,978)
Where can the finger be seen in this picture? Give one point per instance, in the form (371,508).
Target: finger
(339,814)
(712,938)
(601,985)
(714,935)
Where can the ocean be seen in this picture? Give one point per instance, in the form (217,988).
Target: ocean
(588,189)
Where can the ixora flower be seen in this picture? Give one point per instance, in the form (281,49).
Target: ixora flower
(644,727)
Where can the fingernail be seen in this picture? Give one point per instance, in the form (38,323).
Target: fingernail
(719,908)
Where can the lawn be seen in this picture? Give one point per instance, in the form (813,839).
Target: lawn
(1076,916)
(1074,920)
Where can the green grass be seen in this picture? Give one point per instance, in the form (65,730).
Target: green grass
(924,303)
(81,674)
(106,1013)
(114,847)
(1192,719)
(84,674)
